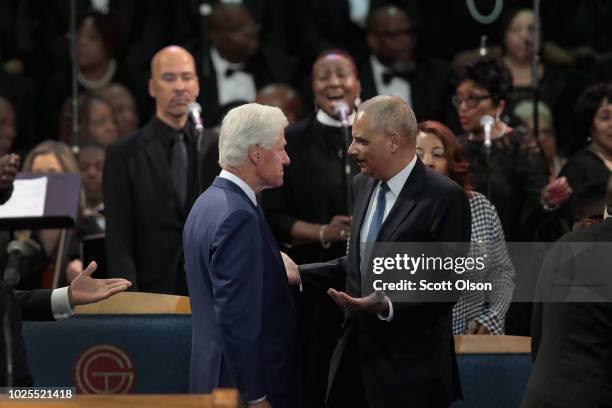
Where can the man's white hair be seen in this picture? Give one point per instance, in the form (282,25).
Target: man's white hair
(247,125)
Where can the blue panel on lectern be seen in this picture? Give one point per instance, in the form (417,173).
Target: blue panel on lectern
(135,353)
(151,353)
(493,380)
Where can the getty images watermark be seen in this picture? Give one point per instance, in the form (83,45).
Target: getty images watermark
(440,272)
(408,264)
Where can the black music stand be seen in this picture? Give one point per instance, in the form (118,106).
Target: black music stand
(60,211)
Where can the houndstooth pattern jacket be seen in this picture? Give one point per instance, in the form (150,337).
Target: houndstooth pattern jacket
(487,308)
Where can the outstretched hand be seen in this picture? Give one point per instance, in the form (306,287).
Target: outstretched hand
(84,289)
(556,192)
(293,273)
(375,302)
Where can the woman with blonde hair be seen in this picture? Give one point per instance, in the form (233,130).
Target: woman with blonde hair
(48,157)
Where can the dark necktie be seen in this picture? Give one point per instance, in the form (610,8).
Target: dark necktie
(178,166)
(379,214)
(375,224)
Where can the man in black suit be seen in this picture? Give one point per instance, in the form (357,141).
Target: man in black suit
(151,181)
(391,354)
(190,18)
(571,336)
(236,65)
(41,304)
(393,68)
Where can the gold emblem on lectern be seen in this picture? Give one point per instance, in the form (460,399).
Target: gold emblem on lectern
(104,369)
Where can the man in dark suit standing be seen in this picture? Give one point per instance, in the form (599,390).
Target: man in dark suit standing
(151,181)
(571,335)
(391,354)
(244,327)
(237,64)
(394,68)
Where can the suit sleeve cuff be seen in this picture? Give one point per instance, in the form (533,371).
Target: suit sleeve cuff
(257,401)
(60,304)
(389,316)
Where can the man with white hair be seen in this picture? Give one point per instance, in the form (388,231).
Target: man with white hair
(244,325)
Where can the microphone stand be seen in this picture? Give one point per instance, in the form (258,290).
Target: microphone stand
(347,172)
(205,10)
(7,333)
(488,161)
(342,111)
(487,123)
(7,328)
(199,140)
(347,167)
(75,83)
(534,67)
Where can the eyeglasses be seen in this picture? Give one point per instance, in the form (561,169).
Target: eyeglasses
(471,101)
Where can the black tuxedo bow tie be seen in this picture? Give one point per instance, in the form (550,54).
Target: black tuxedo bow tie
(231,71)
(387,76)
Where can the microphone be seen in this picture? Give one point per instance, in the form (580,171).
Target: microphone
(483,46)
(341,109)
(487,122)
(195,112)
(16,250)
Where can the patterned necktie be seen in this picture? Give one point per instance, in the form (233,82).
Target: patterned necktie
(178,166)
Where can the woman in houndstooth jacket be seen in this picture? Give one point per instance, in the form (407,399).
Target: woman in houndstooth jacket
(476,312)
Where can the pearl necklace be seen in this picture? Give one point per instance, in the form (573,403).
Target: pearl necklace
(96,84)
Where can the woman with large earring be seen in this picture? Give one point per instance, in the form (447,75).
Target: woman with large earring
(309,214)
(511,172)
(594,116)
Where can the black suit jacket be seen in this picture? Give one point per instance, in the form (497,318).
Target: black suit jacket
(571,341)
(29,305)
(267,66)
(409,361)
(429,87)
(144,219)
(15,305)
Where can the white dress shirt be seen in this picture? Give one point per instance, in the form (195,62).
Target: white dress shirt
(60,303)
(395,183)
(240,183)
(238,86)
(358,11)
(325,119)
(397,87)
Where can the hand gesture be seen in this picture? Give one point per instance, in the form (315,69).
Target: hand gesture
(556,192)
(84,289)
(338,229)
(293,273)
(375,302)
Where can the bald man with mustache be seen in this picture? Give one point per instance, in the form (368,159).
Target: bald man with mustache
(151,181)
